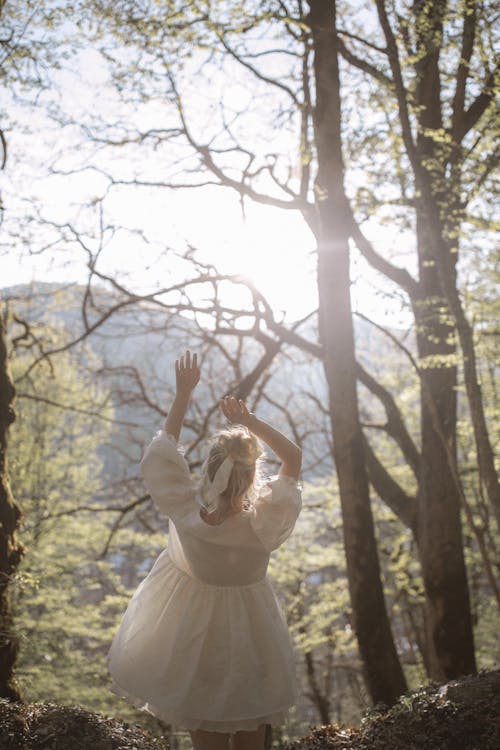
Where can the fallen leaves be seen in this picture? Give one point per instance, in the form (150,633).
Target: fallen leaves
(45,726)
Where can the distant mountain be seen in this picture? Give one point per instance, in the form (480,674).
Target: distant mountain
(133,350)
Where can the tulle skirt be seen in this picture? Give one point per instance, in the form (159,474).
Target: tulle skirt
(198,656)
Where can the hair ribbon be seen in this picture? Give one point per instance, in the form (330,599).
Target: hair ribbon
(211,489)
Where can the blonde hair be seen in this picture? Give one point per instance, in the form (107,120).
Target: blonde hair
(245,450)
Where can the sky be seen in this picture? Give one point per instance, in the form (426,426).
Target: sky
(273,248)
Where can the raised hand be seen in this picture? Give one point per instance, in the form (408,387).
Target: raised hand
(187,376)
(236,411)
(187,373)
(289,453)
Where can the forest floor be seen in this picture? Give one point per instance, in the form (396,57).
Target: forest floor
(461,715)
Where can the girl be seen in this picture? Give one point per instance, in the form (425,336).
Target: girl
(203,644)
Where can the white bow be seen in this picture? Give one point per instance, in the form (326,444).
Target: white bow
(211,489)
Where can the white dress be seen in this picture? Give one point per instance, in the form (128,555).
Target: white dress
(203,643)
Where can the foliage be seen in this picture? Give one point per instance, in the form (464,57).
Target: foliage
(309,573)
(67,598)
(231,76)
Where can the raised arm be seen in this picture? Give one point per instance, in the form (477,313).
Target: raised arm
(289,453)
(187,376)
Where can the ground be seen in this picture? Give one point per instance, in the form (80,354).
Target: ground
(461,715)
(45,726)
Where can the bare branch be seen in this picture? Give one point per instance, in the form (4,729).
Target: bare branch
(122,509)
(135,375)
(242,187)
(3,143)
(395,425)
(362,40)
(363,64)
(477,108)
(400,89)
(76,409)
(468,34)
(402,504)
(394,339)
(400,276)
(257,73)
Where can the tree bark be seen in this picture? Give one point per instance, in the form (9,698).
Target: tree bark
(11,551)
(382,670)
(485,456)
(438,525)
(439,529)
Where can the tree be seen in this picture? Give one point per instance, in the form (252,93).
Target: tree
(434,514)
(383,671)
(382,667)
(430,75)
(11,550)
(20,65)
(399,78)
(66,598)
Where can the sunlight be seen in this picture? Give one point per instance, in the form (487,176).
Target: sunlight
(274,249)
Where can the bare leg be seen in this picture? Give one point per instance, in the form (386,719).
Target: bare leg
(249,740)
(209,740)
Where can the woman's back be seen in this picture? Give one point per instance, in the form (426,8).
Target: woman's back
(225,555)
(233,553)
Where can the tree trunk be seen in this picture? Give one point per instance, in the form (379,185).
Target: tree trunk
(383,674)
(11,551)
(439,530)
(438,165)
(320,700)
(485,456)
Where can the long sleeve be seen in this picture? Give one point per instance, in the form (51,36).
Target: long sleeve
(167,477)
(276,511)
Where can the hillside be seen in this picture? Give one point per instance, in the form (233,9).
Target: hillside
(461,715)
(131,355)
